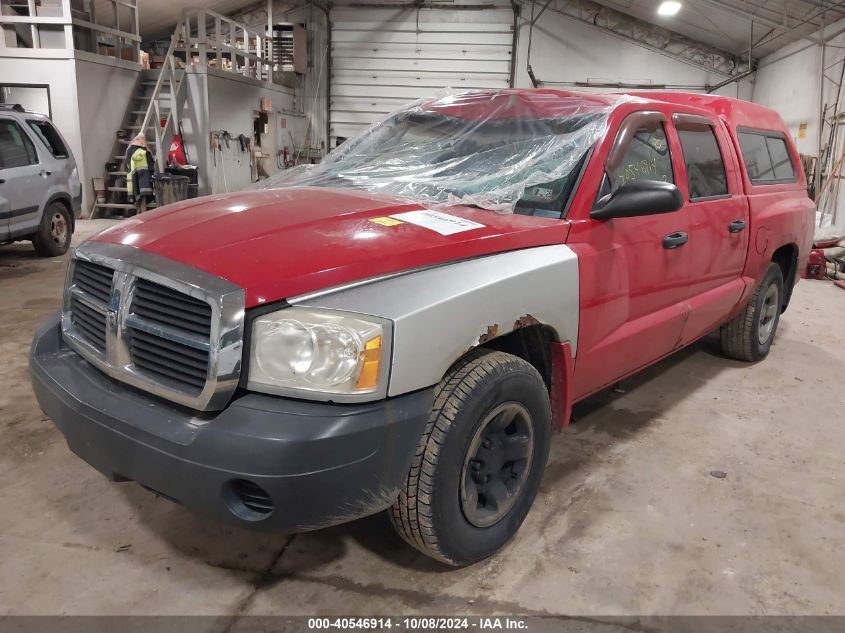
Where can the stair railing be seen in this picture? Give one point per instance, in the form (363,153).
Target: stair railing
(167,75)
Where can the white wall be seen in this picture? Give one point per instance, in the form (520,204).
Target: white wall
(31,98)
(565,51)
(789,81)
(59,75)
(104,90)
(231,105)
(310,89)
(88,99)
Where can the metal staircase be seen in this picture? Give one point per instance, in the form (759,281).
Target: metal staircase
(153,109)
(204,39)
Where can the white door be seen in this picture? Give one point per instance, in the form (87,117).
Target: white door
(384,58)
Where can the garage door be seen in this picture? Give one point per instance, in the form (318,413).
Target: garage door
(383,58)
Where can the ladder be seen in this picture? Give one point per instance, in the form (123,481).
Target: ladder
(153,109)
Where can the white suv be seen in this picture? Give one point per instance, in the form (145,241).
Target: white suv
(40,193)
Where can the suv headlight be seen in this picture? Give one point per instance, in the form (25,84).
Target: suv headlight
(320,355)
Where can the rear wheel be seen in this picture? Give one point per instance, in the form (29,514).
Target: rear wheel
(749,336)
(479,462)
(54,232)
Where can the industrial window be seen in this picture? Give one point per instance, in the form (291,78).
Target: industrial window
(766,157)
(16,150)
(647,158)
(48,134)
(704,163)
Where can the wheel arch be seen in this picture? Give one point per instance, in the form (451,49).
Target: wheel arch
(539,345)
(786,257)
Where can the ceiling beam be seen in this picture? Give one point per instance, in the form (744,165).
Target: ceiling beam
(742,10)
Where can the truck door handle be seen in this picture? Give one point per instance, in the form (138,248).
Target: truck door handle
(675,240)
(736,226)
(44,172)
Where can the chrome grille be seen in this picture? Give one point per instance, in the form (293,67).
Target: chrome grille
(90,323)
(169,308)
(156,324)
(170,361)
(155,312)
(94,280)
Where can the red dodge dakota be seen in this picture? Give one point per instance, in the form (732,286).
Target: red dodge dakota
(404,326)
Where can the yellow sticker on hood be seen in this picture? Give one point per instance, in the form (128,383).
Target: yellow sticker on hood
(385,221)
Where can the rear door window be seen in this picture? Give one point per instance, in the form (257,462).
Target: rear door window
(704,163)
(16,150)
(781,161)
(48,134)
(766,157)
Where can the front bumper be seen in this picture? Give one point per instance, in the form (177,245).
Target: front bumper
(319,464)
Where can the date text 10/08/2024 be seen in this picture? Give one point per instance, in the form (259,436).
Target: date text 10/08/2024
(419,623)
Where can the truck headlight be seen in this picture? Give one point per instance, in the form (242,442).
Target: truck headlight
(319,354)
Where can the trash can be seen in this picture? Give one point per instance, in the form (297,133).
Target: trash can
(186,170)
(170,189)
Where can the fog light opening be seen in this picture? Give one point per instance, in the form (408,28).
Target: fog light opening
(247,500)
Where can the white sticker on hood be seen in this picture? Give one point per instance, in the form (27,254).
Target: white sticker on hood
(442,223)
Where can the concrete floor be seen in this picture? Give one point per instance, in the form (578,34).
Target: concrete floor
(628,521)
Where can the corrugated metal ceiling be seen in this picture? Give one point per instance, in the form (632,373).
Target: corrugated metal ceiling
(727,23)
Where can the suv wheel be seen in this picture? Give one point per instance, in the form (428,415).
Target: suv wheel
(479,462)
(749,336)
(54,233)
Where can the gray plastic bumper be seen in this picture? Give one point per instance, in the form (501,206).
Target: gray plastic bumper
(315,464)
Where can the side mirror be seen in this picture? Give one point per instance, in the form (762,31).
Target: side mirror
(639,197)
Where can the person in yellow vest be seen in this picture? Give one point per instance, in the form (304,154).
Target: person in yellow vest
(141,168)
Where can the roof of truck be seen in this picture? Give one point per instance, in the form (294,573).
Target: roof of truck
(736,112)
(542,103)
(514,103)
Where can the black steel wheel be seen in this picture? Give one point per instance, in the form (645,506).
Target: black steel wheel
(479,462)
(497,464)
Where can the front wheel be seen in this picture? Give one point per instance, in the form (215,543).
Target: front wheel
(479,462)
(749,336)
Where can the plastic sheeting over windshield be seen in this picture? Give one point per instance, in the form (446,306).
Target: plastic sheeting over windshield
(476,148)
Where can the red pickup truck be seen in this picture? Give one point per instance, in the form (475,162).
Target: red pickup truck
(404,326)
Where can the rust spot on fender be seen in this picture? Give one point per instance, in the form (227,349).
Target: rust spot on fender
(491,333)
(525,321)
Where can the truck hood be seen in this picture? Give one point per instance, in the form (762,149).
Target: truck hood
(279,243)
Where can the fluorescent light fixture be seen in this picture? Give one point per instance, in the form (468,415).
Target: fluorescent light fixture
(670,7)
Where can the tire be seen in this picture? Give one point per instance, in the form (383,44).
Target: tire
(54,233)
(749,336)
(447,508)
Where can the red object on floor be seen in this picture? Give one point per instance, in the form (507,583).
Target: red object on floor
(816,265)
(839,283)
(176,155)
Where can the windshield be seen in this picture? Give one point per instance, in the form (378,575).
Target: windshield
(500,150)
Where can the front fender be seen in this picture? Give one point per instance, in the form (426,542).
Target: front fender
(440,313)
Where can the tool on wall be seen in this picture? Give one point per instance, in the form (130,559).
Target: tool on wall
(217,141)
